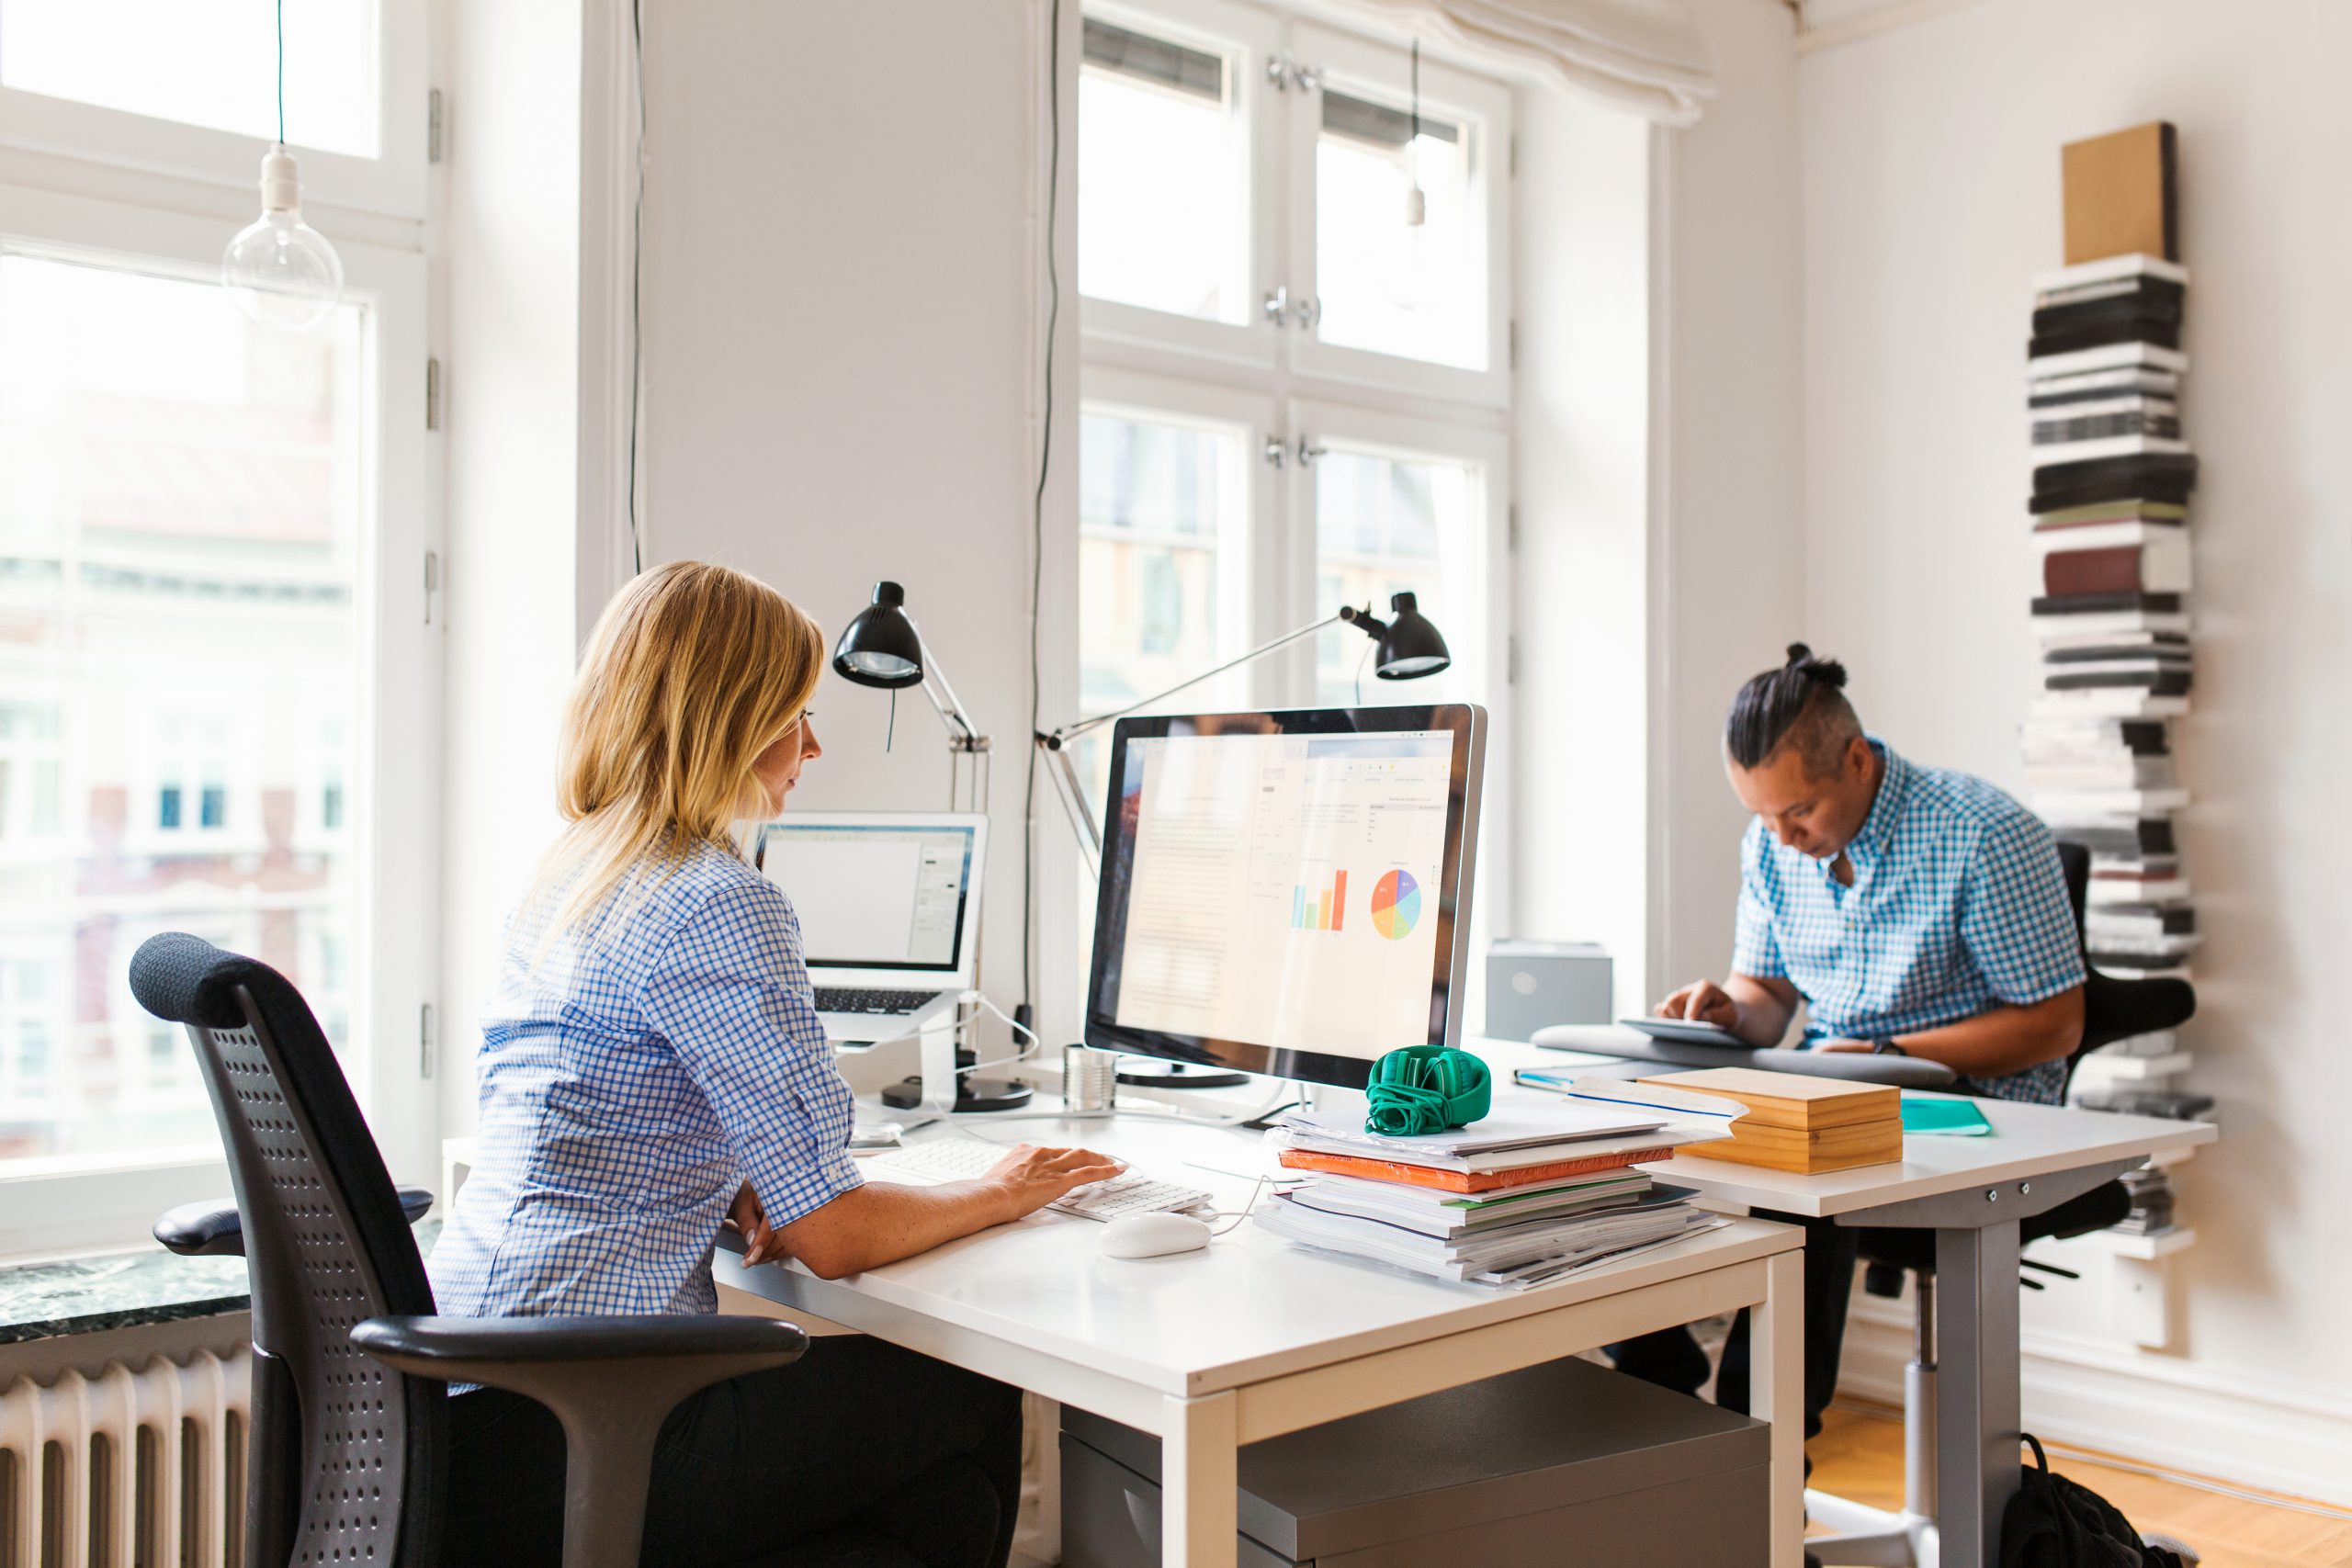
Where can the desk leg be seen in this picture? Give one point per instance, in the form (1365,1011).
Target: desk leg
(1977,1415)
(1776,1391)
(1197,1448)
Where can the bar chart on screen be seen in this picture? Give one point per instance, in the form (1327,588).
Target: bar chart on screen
(1322,907)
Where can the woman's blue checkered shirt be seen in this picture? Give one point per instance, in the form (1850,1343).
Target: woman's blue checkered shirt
(633,1075)
(1959,905)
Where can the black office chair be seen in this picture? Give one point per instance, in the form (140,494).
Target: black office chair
(2112,1010)
(347,1462)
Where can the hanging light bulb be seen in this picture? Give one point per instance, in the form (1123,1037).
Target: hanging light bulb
(1416,205)
(280,271)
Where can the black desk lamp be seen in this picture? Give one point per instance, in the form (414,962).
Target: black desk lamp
(882,648)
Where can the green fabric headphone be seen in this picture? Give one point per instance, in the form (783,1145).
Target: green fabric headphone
(1426,1089)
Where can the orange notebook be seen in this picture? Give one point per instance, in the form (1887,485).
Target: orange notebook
(1462,1180)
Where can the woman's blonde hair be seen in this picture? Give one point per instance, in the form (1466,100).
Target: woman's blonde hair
(692,671)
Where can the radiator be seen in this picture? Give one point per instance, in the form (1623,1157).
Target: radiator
(127,1469)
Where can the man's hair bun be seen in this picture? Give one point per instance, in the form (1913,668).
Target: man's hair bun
(1828,671)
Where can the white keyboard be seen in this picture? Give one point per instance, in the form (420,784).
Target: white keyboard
(960,1159)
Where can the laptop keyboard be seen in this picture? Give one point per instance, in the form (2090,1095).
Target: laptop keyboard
(831,999)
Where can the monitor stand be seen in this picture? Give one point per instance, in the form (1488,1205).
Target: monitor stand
(1150,1072)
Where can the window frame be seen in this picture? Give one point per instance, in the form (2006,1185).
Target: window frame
(1326,393)
(98,1200)
(391,183)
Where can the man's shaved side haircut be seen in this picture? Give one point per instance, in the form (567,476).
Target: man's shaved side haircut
(1803,704)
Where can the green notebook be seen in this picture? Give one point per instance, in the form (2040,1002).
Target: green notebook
(1945,1118)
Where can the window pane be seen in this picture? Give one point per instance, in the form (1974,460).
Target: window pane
(1160,505)
(214,66)
(1387,525)
(1162,175)
(181,511)
(1415,291)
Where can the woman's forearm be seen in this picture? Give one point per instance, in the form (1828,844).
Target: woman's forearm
(883,1222)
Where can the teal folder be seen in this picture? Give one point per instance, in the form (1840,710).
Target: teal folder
(1946,1118)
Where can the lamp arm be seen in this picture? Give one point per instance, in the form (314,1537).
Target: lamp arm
(951,711)
(1053,741)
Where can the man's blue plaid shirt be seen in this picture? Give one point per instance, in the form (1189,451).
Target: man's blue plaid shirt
(1958,905)
(633,1075)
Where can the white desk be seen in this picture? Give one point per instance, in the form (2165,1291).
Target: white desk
(1971,1192)
(1252,1337)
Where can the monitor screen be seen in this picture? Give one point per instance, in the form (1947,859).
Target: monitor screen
(874,894)
(1285,893)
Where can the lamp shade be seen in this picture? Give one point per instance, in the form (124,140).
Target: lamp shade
(1412,646)
(881,648)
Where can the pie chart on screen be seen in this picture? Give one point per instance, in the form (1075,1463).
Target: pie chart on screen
(1396,905)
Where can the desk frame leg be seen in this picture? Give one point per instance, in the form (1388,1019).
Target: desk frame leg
(1978,1416)
(1776,1391)
(1199,1442)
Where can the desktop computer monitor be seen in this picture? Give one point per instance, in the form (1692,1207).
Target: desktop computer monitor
(1286,893)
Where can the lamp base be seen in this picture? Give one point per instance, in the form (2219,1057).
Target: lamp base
(971,1094)
(1142,1072)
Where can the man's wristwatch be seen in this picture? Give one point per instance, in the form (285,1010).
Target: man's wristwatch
(1883,1046)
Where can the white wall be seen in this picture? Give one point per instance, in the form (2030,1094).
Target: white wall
(507,214)
(837,319)
(1728,571)
(1931,197)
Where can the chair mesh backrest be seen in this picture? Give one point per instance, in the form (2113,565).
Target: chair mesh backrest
(327,1248)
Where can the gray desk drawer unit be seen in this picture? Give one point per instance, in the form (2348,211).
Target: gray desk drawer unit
(1560,1464)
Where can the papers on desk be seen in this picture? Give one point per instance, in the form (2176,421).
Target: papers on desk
(1512,1253)
(1532,1193)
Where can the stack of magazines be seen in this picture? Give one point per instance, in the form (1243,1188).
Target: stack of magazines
(1532,1194)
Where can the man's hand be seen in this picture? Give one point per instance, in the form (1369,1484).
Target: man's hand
(1704,1001)
(1031,1177)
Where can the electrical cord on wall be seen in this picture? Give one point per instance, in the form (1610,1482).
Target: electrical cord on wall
(1027,1012)
(636,277)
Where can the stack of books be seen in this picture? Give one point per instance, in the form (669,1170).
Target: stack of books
(1531,1193)
(2111,481)
(1799,1123)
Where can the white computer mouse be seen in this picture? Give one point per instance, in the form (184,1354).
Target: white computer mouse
(1151,1236)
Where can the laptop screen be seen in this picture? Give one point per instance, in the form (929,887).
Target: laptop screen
(874,896)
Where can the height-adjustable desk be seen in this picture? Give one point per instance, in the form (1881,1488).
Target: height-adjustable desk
(1252,1337)
(1971,1192)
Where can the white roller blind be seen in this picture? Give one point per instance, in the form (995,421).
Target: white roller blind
(1646,54)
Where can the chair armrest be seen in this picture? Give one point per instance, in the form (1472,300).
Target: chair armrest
(526,1340)
(212,1227)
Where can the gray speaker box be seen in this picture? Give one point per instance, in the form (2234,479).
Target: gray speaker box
(1533,985)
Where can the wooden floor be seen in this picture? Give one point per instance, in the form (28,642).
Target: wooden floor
(1860,1457)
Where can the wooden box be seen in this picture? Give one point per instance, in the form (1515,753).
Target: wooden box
(1798,1123)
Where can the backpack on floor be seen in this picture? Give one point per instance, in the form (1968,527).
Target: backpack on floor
(2056,1523)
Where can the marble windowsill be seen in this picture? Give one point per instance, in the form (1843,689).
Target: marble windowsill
(124,1290)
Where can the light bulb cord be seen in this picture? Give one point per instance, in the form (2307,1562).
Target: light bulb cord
(281,72)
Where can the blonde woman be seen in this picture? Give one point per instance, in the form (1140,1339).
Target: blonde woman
(652,1064)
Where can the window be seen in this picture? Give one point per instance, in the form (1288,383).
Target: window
(1246,473)
(205,65)
(1164,154)
(217,698)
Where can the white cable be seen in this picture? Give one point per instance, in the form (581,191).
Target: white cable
(1237,1215)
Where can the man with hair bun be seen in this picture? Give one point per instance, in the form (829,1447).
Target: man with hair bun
(1910,910)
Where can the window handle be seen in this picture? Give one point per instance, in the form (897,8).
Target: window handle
(1276,451)
(1276,306)
(1309,452)
(1307,313)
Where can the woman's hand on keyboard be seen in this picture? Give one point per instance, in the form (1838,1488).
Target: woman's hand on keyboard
(1031,1178)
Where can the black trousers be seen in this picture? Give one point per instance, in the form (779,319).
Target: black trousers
(860,1454)
(1671,1358)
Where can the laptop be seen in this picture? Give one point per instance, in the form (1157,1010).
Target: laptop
(889,907)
